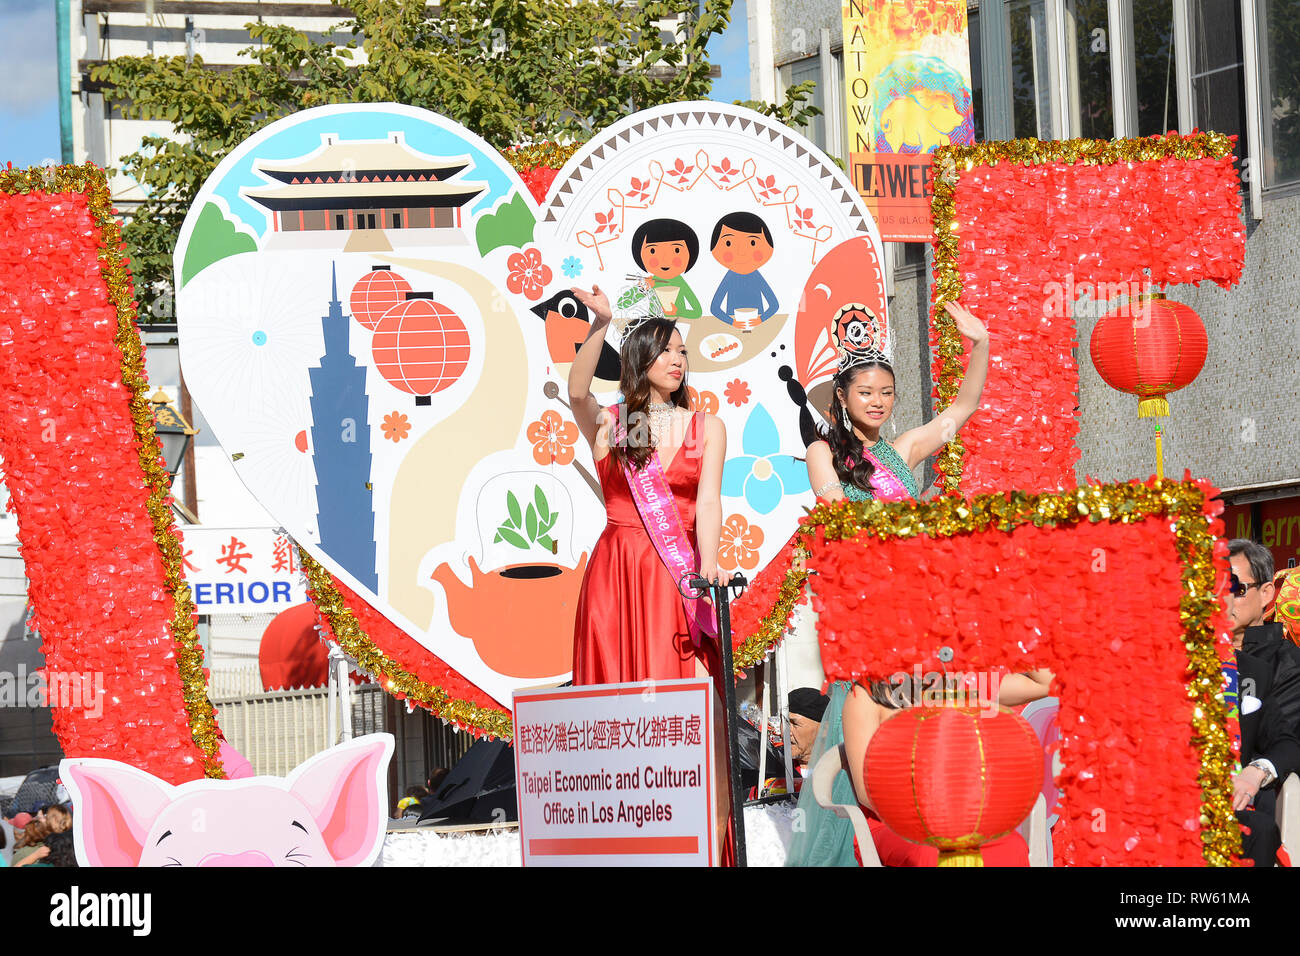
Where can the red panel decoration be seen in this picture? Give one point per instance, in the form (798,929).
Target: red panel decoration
(1111,587)
(124,666)
(974,774)
(1021,230)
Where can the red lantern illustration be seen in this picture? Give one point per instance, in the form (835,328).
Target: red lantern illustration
(375,293)
(954,777)
(420,346)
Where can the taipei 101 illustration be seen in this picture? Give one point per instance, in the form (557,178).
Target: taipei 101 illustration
(340,441)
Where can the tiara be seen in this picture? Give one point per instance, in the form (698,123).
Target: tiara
(852,359)
(859,337)
(635,307)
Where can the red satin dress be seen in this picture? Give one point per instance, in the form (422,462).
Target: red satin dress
(631,625)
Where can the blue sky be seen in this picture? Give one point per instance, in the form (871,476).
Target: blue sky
(29,96)
(29,104)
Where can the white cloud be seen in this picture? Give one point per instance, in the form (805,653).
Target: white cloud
(28,52)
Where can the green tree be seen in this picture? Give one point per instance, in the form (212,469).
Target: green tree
(513,71)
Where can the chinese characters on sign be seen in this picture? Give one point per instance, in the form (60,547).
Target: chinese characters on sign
(241,570)
(646,732)
(616,774)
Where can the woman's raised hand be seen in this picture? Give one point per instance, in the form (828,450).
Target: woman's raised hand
(597,303)
(969,326)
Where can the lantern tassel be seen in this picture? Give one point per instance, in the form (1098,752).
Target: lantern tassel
(961,858)
(1151,407)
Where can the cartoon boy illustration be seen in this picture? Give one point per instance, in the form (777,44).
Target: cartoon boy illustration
(667,248)
(742,243)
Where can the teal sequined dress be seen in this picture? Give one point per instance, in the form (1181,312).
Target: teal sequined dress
(892,460)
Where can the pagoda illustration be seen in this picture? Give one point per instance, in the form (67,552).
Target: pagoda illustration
(362,195)
(340,441)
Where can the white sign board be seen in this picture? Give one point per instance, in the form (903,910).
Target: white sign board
(241,570)
(616,774)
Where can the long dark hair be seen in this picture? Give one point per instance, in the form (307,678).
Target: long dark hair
(640,350)
(851,465)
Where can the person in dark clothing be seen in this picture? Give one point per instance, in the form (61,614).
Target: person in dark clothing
(807,706)
(1270,750)
(1269,676)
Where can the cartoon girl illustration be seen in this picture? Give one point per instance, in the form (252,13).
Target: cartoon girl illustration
(666,249)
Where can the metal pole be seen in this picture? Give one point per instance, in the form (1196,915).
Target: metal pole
(759,688)
(722,597)
(722,604)
(782,693)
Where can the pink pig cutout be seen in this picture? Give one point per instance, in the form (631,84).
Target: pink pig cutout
(330,811)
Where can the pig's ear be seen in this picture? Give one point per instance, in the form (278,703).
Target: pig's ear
(114,806)
(346,791)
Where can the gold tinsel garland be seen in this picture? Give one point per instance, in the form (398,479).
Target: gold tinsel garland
(554,155)
(90,181)
(773,626)
(950,164)
(394,678)
(1183,503)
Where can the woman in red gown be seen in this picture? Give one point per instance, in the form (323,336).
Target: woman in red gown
(632,624)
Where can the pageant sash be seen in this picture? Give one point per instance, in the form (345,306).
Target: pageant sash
(663,523)
(885,485)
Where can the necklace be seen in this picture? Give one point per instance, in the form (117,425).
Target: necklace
(662,415)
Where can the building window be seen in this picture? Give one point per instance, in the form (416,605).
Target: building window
(1218,84)
(1031,95)
(802,71)
(1280,76)
(339,222)
(397,220)
(1087,48)
(1153,56)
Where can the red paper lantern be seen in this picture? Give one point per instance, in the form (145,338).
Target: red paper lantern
(1150,347)
(375,293)
(954,777)
(421,346)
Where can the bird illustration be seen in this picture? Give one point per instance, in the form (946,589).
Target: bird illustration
(567,324)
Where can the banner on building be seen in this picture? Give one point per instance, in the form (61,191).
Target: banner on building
(241,570)
(908,88)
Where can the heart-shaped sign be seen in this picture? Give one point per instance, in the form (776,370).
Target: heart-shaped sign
(376,320)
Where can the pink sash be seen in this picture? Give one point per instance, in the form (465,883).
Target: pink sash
(884,483)
(663,523)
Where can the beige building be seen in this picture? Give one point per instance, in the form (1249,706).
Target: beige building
(100,30)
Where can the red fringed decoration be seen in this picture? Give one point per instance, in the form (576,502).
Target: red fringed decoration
(406,668)
(101,590)
(1025,228)
(538,180)
(1110,587)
